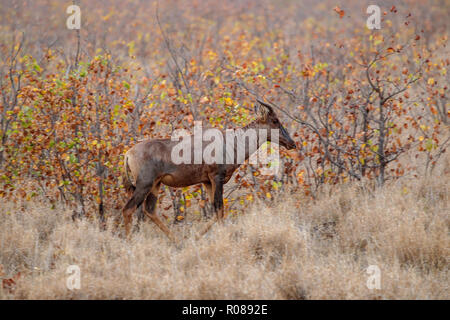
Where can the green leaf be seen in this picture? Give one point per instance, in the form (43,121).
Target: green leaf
(429,145)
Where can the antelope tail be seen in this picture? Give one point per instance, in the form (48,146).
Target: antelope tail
(127,181)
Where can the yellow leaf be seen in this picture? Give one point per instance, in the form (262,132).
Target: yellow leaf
(204,100)
(179,218)
(228,101)
(268,195)
(431,81)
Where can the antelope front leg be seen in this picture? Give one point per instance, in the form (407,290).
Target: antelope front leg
(206,228)
(217,190)
(218,201)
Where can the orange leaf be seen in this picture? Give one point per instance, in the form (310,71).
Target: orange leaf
(339,11)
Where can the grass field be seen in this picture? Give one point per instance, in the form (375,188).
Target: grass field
(320,250)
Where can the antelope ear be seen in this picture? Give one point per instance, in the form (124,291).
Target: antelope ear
(262,109)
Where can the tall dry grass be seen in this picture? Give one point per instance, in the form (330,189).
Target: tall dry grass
(320,250)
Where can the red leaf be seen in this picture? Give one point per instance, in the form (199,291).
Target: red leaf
(339,11)
(10,284)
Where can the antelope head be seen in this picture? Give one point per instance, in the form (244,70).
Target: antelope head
(267,119)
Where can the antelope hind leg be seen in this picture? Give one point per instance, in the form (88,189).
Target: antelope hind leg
(149,209)
(128,210)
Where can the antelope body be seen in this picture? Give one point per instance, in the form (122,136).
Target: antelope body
(149,164)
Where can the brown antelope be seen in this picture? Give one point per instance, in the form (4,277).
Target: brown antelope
(149,163)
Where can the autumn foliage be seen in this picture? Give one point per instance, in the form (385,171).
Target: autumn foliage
(355,100)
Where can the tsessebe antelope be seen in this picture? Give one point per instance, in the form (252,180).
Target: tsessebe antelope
(149,164)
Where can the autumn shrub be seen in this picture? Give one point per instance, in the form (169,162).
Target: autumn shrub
(355,100)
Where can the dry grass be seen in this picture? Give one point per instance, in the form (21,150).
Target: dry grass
(318,251)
